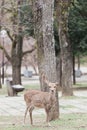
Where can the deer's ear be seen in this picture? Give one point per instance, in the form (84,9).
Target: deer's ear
(57,84)
(58,87)
(44,78)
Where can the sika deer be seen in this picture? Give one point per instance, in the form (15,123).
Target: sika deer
(35,98)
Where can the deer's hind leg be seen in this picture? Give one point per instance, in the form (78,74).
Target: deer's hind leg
(26,113)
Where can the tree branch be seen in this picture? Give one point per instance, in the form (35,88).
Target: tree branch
(9,35)
(29,51)
(6,53)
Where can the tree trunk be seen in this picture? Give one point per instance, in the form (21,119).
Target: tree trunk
(66,74)
(78,62)
(74,77)
(46,48)
(17,59)
(37,11)
(17,48)
(16,74)
(65,47)
(1,22)
(59,69)
(0,79)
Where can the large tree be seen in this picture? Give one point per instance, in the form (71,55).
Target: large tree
(65,46)
(43,15)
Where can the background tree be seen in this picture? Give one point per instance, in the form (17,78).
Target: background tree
(15,32)
(65,46)
(78,30)
(57,46)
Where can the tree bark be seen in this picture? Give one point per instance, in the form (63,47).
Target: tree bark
(16,62)
(65,47)
(45,46)
(17,45)
(0,79)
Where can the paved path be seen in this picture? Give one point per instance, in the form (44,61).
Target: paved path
(16,105)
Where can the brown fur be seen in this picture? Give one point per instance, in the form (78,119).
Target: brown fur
(36,98)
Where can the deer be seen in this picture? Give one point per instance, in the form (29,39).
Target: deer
(40,99)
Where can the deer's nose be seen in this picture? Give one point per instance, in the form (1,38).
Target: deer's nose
(52,91)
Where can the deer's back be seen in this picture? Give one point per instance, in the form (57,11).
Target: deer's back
(29,94)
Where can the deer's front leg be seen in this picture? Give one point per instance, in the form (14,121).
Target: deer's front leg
(30,112)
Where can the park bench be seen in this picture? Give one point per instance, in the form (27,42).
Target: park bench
(28,73)
(78,73)
(13,90)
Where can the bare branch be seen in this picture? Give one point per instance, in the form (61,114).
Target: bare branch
(29,51)
(8,32)
(6,53)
